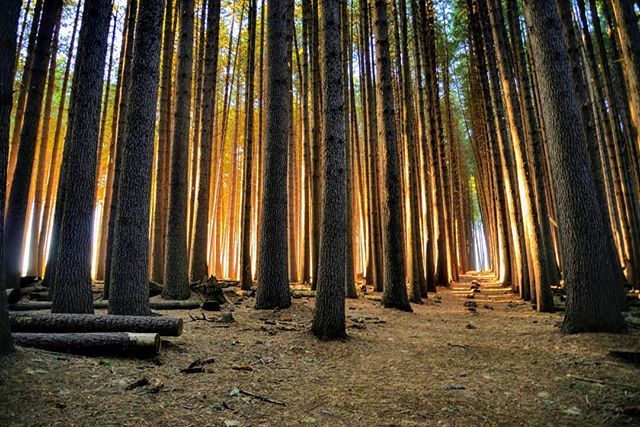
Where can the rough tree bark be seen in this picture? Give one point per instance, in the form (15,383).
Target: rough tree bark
(164,148)
(129,293)
(246,278)
(72,291)
(176,261)
(8,27)
(273,274)
(329,316)
(593,289)
(199,266)
(395,291)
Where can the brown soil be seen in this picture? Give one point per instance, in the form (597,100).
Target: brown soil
(441,365)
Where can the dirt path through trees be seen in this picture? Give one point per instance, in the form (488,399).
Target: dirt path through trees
(503,364)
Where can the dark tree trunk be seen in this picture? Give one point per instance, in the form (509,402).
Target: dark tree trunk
(593,289)
(118,138)
(349,152)
(8,27)
(164,148)
(246,278)
(273,274)
(53,186)
(16,219)
(395,290)
(176,262)
(329,317)
(129,293)
(72,291)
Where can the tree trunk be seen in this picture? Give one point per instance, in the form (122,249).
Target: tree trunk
(25,87)
(199,266)
(129,294)
(592,286)
(53,185)
(329,316)
(273,275)
(119,138)
(17,206)
(34,264)
(246,277)
(176,262)
(629,36)
(395,291)
(8,27)
(164,148)
(72,291)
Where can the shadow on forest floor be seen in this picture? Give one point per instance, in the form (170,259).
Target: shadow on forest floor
(444,364)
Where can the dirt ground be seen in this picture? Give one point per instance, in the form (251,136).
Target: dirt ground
(441,365)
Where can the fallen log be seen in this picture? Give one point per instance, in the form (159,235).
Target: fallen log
(302,293)
(66,323)
(93,344)
(155,305)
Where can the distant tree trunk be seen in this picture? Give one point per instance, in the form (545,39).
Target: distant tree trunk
(16,220)
(329,316)
(8,27)
(395,290)
(629,35)
(316,91)
(345,40)
(25,87)
(593,302)
(176,262)
(129,293)
(34,263)
(246,278)
(273,275)
(199,266)
(418,282)
(23,27)
(164,148)
(72,291)
(100,273)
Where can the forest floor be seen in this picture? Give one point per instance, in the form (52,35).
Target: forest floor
(443,364)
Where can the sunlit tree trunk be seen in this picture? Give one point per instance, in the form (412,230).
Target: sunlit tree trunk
(16,219)
(199,266)
(246,276)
